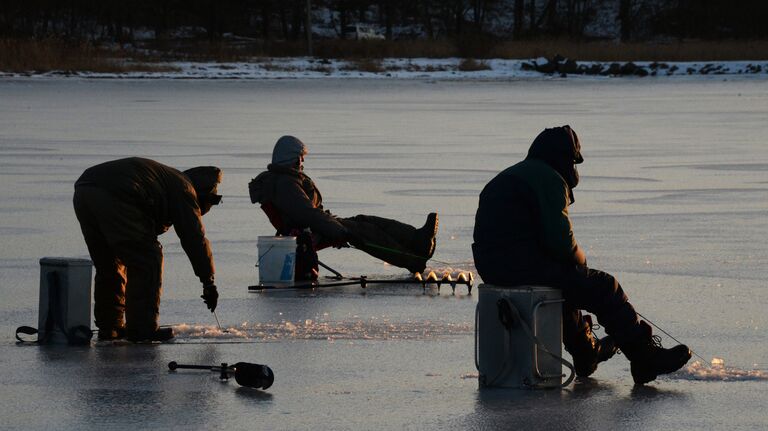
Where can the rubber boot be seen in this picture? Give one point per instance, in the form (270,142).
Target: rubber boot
(424,242)
(160,334)
(587,350)
(648,358)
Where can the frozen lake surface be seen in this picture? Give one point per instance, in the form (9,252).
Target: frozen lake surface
(673,201)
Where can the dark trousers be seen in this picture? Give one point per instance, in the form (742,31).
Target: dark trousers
(128,260)
(583,288)
(385,239)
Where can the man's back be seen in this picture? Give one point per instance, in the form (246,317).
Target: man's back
(521,225)
(296,199)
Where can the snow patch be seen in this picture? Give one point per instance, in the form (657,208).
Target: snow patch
(719,372)
(404,68)
(357,329)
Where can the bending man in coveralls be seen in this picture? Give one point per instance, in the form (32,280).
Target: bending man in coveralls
(523,236)
(293,203)
(122,207)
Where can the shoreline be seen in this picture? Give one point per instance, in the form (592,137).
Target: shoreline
(449,69)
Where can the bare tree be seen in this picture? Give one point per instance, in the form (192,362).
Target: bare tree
(426,15)
(386,13)
(532,16)
(625,19)
(519,16)
(266,19)
(577,15)
(479,10)
(454,15)
(549,16)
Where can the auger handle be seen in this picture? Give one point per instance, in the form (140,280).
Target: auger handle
(173,365)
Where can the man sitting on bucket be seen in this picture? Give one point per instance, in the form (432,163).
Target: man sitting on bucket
(293,202)
(122,207)
(523,236)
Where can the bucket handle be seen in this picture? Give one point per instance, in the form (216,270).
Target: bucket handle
(536,351)
(261,256)
(531,335)
(539,344)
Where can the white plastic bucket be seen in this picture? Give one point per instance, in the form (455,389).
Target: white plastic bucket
(277,258)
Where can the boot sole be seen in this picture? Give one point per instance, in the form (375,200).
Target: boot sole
(119,335)
(642,378)
(433,218)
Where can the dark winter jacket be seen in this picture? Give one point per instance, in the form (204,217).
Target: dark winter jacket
(297,200)
(167,198)
(522,226)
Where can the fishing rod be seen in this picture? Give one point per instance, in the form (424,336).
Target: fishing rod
(337,274)
(246,374)
(219,324)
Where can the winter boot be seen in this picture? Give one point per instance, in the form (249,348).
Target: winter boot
(111,334)
(587,350)
(648,358)
(424,241)
(160,334)
(415,264)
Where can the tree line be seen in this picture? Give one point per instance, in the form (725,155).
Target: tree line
(120,21)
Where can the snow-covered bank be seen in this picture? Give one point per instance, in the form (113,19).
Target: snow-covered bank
(423,68)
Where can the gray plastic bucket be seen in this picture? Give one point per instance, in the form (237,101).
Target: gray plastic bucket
(509,358)
(65,296)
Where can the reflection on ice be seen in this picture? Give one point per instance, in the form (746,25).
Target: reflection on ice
(360,329)
(717,371)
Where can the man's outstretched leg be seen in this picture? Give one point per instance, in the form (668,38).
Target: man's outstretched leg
(394,242)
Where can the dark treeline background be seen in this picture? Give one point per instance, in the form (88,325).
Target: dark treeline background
(120,21)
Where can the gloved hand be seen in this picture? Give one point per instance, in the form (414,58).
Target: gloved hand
(210,296)
(352,238)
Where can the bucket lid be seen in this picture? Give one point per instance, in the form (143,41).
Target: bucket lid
(528,288)
(276,238)
(65,261)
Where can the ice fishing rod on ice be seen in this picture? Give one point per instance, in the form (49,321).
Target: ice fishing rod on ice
(246,374)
